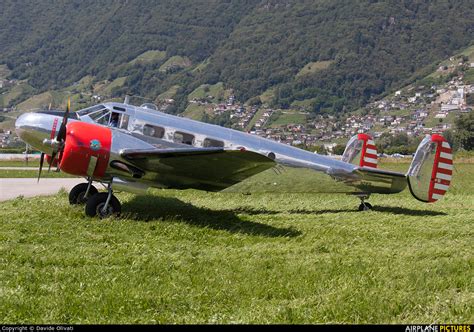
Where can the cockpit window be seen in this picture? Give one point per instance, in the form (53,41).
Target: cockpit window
(90,109)
(101,116)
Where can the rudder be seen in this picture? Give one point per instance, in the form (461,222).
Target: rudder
(431,170)
(361,151)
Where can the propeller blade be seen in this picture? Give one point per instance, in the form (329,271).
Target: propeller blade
(26,155)
(41,165)
(61,137)
(62,130)
(53,156)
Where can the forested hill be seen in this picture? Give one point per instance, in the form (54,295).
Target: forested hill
(334,54)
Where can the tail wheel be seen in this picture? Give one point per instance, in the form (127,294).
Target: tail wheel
(76,195)
(96,203)
(365,206)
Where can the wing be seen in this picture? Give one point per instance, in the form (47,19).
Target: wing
(210,169)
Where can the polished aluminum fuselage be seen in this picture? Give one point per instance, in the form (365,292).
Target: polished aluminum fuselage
(297,170)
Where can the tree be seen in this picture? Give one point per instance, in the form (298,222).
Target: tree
(320,149)
(465,131)
(339,149)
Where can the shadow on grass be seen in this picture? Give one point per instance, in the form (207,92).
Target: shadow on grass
(408,212)
(386,209)
(147,208)
(251,211)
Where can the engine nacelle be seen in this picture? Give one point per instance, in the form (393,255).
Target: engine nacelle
(86,150)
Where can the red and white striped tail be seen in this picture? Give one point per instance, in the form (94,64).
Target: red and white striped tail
(442,169)
(369,151)
(431,170)
(361,151)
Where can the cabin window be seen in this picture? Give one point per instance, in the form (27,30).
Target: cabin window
(153,131)
(183,138)
(209,143)
(123,124)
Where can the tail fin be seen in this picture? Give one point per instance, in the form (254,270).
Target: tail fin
(361,151)
(431,170)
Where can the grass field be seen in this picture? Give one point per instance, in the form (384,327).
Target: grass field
(19,163)
(314,67)
(196,111)
(216,90)
(13,173)
(176,61)
(170,93)
(4,71)
(285,118)
(149,56)
(197,257)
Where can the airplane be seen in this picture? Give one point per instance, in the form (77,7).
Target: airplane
(133,148)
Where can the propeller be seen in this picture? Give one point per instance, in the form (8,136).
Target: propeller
(41,165)
(58,142)
(26,154)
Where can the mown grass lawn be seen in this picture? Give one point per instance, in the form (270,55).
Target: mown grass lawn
(196,257)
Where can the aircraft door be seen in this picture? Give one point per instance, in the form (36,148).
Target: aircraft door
(120,119)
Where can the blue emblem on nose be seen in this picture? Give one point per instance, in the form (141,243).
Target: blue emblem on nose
(95,145)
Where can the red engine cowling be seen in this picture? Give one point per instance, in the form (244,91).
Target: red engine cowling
(83,141)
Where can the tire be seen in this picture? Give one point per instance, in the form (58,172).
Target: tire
(76,195)
(96,202)
(365,207)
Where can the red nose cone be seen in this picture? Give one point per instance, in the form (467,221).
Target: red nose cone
(83,141)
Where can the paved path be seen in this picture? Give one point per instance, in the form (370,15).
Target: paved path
(23,168)
(18,156)
(28,187)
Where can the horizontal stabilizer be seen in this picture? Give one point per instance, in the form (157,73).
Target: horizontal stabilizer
(373,180)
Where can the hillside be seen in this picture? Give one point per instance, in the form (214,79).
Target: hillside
(330,55)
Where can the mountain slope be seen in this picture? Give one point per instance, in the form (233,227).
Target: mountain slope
(251,46)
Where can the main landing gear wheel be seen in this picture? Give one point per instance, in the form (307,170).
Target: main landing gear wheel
(77,194)
(97,206)
(365,206)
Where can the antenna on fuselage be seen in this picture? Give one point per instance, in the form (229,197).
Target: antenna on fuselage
(126,100)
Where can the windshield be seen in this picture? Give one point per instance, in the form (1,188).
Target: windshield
(101,116)
(90,109)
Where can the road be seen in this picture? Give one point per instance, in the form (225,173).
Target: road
(18,156)
(8,168)
(28,187)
